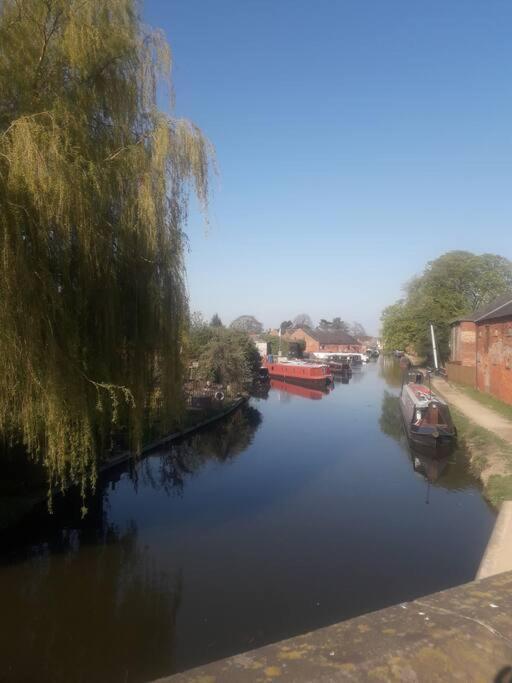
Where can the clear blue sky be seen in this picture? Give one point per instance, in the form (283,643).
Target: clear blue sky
(355,141)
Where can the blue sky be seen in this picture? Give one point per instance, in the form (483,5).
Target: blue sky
(355,141)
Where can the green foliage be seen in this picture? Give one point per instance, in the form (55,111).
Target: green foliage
(230,358)
(199,335)
(216,321)
(453,285)
(94,182)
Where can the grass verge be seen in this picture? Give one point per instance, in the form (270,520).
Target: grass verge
(504,409)
(490,457)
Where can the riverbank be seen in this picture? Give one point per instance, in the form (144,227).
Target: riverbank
(14,506)
(486,435)
(194,421)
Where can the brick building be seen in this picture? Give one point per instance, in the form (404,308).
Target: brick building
(334,341)
(481,349)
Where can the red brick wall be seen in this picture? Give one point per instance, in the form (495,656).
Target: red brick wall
(463,344)
(463,374)
(300,335)
(494,359)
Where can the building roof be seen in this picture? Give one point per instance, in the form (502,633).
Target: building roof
(332,337)
(497,309)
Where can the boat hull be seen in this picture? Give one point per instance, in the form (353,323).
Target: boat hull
(307,373)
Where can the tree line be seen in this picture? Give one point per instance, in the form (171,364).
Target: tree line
(453,285)
(248,323)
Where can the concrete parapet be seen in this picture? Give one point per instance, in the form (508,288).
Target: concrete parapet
(461,634)
(498,554)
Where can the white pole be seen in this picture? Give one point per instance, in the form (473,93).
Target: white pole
(434,348)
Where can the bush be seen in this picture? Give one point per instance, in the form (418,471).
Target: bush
(229,358)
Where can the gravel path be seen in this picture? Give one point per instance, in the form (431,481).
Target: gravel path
(475,411)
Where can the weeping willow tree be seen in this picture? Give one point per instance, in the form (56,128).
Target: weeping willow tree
(94,183)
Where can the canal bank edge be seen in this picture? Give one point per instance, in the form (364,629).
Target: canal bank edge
(498,554)
(487,438)
(37,498)
(463,633)
(128,455)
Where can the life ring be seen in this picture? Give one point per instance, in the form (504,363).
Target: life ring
(219,396)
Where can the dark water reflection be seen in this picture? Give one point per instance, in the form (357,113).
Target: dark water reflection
(295,513)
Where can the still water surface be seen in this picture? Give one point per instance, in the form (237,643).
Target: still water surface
(300,510)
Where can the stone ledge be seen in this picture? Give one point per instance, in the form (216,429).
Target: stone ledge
(461,634)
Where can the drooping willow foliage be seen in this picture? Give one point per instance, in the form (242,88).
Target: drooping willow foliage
(94,182)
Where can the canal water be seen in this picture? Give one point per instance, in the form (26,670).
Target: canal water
(300,510)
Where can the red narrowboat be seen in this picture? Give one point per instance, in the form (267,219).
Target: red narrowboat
(299,371)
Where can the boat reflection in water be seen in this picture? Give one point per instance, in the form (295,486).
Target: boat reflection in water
(430,468)
(448,470)
(315,394)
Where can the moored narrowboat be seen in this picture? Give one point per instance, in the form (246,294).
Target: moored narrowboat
(426,418)
(299,371)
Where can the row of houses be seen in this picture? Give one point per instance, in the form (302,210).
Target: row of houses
(481,349)
(333,341)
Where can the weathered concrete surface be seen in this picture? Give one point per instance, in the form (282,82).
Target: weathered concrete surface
(498,554)
(462,634)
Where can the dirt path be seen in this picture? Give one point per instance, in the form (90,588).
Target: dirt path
(485,417)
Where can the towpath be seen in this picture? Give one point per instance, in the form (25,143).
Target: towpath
(475,411)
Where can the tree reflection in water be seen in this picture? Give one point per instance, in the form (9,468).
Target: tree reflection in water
(390,370)
(72,614)
(221,443)
(452,472)
(83,600)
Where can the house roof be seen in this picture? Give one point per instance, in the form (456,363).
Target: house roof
(497,309)
(331,337)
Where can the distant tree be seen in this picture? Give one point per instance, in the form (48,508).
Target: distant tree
(339,324)
(197,320)
(247,323)
(454,284)
(325,324)
(334,324)
(357,330)
(285,325)
(216,321)
(303,320)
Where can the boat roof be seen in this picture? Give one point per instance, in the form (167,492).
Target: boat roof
(422,395)
(302,364)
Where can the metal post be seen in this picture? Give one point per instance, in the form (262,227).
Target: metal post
(434,347)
